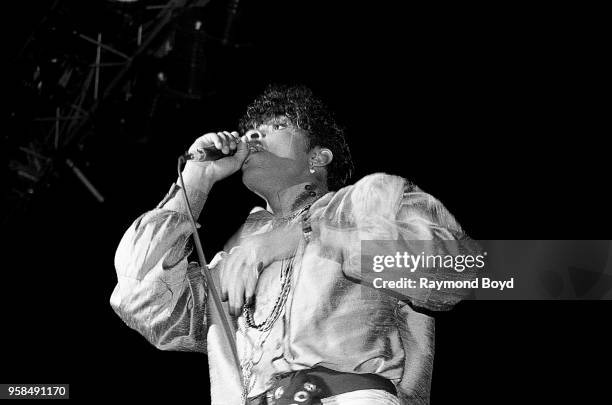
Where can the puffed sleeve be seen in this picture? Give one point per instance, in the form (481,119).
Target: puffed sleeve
(382,207)
(158,293)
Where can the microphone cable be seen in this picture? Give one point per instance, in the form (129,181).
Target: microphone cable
(209,279)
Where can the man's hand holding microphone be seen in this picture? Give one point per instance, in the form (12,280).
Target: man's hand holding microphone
(201,172)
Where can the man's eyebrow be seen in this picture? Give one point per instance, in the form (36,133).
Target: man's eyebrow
(281,119)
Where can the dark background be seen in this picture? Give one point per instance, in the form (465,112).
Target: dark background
(491,109)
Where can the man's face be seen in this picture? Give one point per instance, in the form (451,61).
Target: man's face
(283,162)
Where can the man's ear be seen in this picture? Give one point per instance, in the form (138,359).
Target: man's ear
(321,157)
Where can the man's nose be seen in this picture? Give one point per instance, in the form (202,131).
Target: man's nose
(254,135)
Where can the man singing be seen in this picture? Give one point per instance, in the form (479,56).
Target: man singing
(307,330)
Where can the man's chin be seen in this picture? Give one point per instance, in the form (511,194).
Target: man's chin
(254,180)
(251,176)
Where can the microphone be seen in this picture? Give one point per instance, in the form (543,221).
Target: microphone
(207,154)
(211,153)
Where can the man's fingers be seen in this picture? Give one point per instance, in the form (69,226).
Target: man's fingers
(236,301)
(205,141)
(224,141)
(238,280)
(251,284)
(223,288)
(225,276)
(231,140)
(216,139)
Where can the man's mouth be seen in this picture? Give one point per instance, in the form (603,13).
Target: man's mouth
(254,147)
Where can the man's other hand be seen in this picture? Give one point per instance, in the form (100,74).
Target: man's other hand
(245,262)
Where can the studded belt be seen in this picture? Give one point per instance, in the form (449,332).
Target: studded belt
(306,387)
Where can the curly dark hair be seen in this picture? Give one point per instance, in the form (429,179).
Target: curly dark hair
(310,114)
